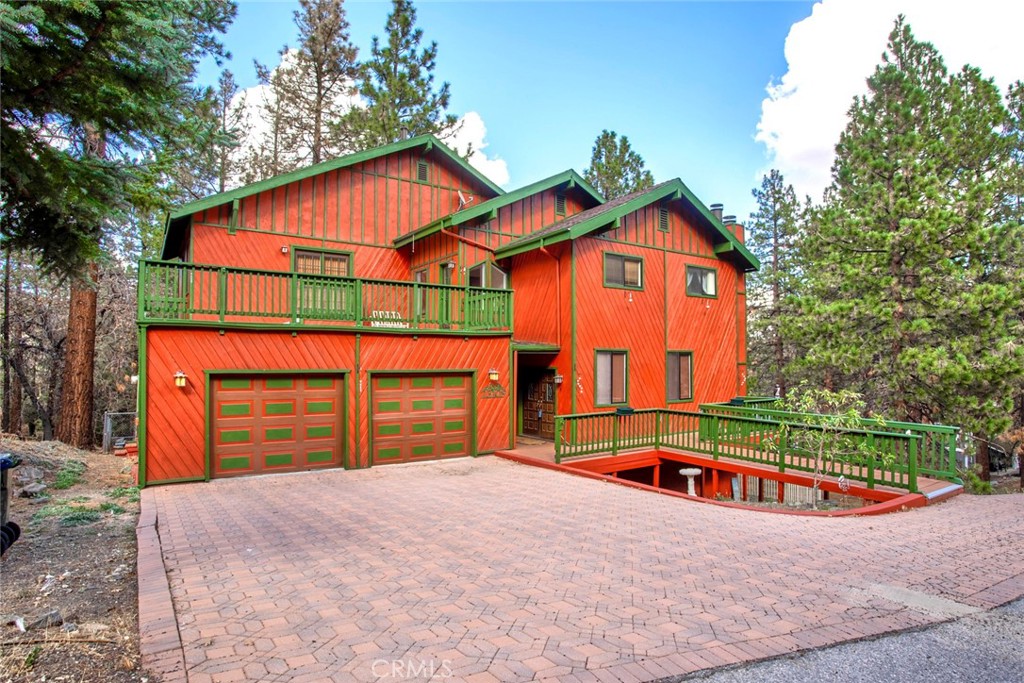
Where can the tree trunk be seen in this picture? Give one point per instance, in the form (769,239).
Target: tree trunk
(5,350)
(75,424)
(981,457)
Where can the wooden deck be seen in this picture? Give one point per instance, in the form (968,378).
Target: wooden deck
(930,490)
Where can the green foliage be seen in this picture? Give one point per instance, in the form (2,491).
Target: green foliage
(33,656)
(128,493)
(397,86)
(89,90)
(79,517)
(112,508)
(911,280)
(829,430)
(973,483)
(615,169)
(771,235)
(69,474)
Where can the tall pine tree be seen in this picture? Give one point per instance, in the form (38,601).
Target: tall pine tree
(615,169)
(912,297)
(771,234)
(397,86)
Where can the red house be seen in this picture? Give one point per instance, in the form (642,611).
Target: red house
(395,305)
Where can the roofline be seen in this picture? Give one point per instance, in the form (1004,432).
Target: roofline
(673,189)
(569,177)
(430,141)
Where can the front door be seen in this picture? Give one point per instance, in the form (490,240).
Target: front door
(539,406)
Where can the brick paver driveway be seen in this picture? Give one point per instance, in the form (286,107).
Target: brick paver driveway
(485,570)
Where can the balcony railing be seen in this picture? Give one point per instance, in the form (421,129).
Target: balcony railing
(170,291)
(891,459)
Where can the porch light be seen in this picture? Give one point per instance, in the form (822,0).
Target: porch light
(284,249)
(559,379)
(450,265)
(180,379)
(492,375)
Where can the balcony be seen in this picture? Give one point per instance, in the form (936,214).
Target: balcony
(174,292)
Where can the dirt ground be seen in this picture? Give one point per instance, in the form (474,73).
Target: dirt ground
(77,555)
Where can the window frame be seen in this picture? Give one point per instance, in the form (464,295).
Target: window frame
(668,394)
(295,249)
(624,257)
(686,282)
(625,379)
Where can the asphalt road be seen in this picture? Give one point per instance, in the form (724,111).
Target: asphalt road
(987,647)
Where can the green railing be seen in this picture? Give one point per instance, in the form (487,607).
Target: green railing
(890,458)
(937,456)
(170,291)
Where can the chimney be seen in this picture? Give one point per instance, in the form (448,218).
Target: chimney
(729,220)
(734,226)
(716,210)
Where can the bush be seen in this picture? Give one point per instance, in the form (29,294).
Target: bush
(69,474)
(973,483)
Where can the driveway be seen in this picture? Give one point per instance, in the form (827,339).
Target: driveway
(487,570)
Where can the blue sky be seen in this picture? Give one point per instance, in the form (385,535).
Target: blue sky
(685,81)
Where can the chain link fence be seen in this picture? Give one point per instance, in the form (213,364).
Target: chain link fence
(118,430)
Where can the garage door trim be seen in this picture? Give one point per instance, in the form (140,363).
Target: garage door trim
(470,372)
(210,375)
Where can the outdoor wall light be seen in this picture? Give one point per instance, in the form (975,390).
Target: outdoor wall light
(284,249)
(493,375)
(180,379)
(559,379)
(450,265)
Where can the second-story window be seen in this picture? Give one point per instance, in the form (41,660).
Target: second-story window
(623,271)
(701,281)
(321,263)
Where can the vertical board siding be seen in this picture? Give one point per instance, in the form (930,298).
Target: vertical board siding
(370,203)
(176,418)
(523,217)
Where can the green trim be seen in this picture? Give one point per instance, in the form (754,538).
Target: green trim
(240,462)
(454,403)
(278,459)
(686,281)
(357,387)
(693,391)
(625,380)
(298,329)
(279,408)
(624,257)
(333,165)
(321,456)
(531,347)
(140,405)
(236,410)
(279,433)
(605,217)
(453,447)
(451,382)
(489,208)
(319,432)
(237,435)
(180,480)
(423,449)
(574,376)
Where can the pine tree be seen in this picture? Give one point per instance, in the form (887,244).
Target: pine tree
(615,169)
(771,235)
(232,122)
(397,86)
(912,297)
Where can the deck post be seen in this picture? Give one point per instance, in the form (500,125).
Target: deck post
(615,434)
(559,426)
(222,292)
(714,437)
(912,466)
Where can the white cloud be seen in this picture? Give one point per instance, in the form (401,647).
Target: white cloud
(831,53)
(470,134)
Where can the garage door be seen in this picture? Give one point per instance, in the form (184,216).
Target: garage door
(420,417)
(275,423)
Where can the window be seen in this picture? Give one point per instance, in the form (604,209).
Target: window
(680,376)
(610,379)
(422,171)
(321,263)
(663,219)
(559,204)
(701,281)
(420,277)
(499,278)
(623,271)
(476,275)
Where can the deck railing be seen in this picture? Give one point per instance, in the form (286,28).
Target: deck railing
(937,456)
(171,291)
(874,457)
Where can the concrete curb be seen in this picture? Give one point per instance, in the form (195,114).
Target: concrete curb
(159,640)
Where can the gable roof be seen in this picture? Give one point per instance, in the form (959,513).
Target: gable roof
(428,141)
(568,178)
(609,214)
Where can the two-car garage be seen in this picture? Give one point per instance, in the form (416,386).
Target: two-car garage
(263,423)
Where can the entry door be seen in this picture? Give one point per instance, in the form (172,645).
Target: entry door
(539,406)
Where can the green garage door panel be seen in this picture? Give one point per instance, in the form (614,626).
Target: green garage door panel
(421,417)
(275,423)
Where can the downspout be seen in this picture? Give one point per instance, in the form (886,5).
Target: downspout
(558,292)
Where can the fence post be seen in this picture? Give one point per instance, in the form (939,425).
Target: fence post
(951,447)
(657,429)
(222,292)
(871,461)
(559,426)
(293,302)
(615,434)
(783,445)
(714,437)
(141,292)
(358,313)
(912,466)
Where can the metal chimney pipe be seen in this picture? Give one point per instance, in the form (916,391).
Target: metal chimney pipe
(716,210)
(729,220)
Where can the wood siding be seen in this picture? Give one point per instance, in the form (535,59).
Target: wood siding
(660,317)
(524,217)
(176,419)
